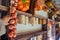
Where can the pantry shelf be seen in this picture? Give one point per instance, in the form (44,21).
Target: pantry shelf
(30,15)
(23,13)
(31,34)
(4,8)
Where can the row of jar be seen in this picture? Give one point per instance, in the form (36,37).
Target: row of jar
(23,19)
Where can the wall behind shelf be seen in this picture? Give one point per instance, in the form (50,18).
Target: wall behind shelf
(24,29)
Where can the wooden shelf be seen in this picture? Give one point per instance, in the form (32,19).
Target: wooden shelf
(30,15)
(3,8)
(23,13)
(31,34)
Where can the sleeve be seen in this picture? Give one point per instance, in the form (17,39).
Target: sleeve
(2,28)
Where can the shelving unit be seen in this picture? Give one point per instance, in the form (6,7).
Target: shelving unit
(40,32)
(36,16)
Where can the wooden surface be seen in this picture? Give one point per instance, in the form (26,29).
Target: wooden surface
(31,34)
